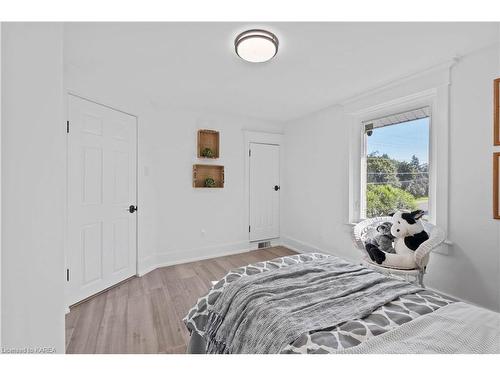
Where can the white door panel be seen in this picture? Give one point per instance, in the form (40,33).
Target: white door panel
(91,236)
(101,187)
(264,191)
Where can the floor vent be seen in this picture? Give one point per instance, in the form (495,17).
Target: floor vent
(262,245)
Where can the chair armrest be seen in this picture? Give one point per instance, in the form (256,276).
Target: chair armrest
(436,237)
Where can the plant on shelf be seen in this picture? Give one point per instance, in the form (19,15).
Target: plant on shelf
(209,182)
(207,153)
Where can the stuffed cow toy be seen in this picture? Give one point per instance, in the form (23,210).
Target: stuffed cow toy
(409,233)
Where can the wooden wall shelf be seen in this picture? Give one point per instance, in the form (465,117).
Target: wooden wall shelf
(208,139)
(204,171)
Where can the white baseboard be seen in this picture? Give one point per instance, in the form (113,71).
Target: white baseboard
(146,265)
(192,255)
(299,246)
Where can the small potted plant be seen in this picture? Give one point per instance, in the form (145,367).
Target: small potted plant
(209,182)
(207,153)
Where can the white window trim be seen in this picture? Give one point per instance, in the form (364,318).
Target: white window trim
(429,88)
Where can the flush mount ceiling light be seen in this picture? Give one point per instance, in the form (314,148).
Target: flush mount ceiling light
(256,45)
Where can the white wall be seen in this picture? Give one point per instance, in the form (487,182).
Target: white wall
(32,187)
(471,271)
(0,184)
(317,175)
(171,213)
(182,212)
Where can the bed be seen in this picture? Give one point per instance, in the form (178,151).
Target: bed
(317,303)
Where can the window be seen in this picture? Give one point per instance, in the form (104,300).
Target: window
(395,163)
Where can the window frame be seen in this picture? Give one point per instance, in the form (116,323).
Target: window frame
(363,164)
(429,87)
(437,100)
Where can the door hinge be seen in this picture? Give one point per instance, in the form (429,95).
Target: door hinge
(67,126)
(249,229)
(67,274)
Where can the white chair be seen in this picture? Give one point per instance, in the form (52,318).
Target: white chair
(436,237)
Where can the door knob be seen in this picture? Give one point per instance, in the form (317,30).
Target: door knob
(276,187)
(132,209)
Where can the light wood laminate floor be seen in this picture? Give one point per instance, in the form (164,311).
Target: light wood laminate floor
(144,314)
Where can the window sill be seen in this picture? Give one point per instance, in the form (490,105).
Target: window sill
(351,224)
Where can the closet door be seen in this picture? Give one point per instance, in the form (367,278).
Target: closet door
(264,191)
(102,186)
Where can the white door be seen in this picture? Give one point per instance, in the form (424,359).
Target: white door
(264,191)
(101,189)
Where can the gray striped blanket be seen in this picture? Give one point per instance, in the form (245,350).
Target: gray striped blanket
(263,313)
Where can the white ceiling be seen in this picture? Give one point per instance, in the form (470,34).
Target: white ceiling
(193,65)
